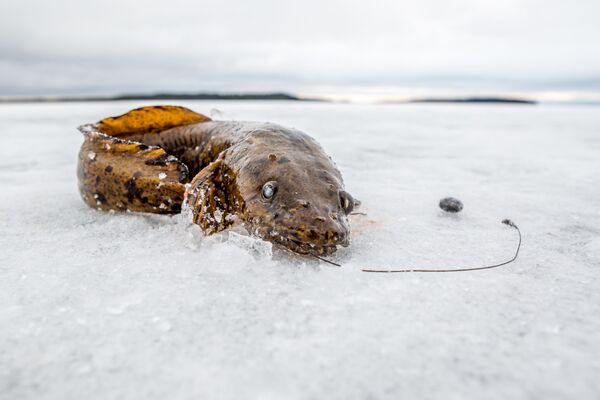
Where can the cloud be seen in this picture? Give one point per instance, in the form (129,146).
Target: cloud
(96,47)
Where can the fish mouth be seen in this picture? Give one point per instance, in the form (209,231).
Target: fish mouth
(291,242)
(304,248)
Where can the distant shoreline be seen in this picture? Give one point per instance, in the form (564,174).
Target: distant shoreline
(280,96)
(494,100)
(157,96)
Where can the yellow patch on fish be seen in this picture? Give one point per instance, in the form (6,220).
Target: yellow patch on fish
(149,119)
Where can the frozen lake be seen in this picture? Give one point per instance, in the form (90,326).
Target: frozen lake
(127,306)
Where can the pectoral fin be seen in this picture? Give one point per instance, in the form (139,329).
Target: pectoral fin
(214,197)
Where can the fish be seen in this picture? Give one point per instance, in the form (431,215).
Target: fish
(276,182)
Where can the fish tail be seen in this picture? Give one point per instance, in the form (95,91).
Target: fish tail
(125,175)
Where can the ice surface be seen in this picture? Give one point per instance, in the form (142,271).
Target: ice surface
(127,306)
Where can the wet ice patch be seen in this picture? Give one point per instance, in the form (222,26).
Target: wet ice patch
(252,244)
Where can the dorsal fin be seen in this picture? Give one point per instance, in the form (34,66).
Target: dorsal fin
(149,119)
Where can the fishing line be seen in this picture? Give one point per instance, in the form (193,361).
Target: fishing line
(505,221)
(389,271)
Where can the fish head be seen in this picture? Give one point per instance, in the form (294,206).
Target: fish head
(293,193)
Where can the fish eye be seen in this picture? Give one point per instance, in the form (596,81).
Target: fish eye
(268,190)
(347,202)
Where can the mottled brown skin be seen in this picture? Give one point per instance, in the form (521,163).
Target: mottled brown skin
(116,175)
(225,164)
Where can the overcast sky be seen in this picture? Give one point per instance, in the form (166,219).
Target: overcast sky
(312,47)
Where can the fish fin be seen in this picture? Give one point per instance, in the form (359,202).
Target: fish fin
(214,197)
(115,174)
(149,120)
(118,174)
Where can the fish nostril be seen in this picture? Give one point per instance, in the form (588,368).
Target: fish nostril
(320,219)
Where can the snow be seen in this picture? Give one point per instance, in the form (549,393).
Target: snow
(125,306)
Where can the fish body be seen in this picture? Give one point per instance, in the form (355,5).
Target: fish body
(276,181)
